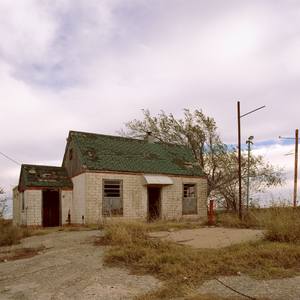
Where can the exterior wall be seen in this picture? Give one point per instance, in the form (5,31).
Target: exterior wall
(32,215)
(17,206)
(66,205)
(73,165)
(79,199)
(171,204)
(135,197)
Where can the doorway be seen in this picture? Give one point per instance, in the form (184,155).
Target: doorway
(154,204)
(51,208)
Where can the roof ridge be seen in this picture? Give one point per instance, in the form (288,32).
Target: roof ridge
(108,135)
(44,166)
(128,138)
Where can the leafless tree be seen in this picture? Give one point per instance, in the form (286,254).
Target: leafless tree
(219,161)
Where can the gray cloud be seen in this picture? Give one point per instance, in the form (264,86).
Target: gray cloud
(94,65)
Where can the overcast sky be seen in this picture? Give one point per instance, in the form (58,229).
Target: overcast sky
(93,65)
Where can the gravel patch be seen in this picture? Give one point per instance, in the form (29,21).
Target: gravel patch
(70,267)
(210,237)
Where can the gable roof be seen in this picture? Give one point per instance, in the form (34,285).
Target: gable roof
(44,176)
(114,153)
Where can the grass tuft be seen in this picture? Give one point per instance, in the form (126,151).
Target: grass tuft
(9,234)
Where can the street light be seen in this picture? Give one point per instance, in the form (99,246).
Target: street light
(249,142)
(239,116)
(296,139)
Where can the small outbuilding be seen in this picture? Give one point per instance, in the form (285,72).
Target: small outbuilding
(106,176)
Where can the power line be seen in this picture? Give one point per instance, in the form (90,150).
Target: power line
(9,158)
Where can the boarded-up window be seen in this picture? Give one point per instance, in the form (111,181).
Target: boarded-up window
(112,198)
(189,201)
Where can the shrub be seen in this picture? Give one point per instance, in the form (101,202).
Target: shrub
(284,225)
(10,234)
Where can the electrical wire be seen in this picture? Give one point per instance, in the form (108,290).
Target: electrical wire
(9,158)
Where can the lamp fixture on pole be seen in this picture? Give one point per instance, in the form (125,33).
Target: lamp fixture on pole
(249,142)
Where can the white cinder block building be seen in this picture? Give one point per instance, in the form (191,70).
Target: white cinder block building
(111,177)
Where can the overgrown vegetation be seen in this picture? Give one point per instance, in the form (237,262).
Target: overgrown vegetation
(182,268)
(281,224)
(10,234)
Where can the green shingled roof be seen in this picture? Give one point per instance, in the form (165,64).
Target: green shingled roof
(114,153)
(44,176)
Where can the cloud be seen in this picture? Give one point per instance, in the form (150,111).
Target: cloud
(93,65)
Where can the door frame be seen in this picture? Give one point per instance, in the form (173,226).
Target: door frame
(59,206)
(158,187)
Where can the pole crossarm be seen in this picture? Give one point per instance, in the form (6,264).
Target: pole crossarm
(286,138)
(252,111)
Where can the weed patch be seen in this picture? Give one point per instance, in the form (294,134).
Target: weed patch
(282,224)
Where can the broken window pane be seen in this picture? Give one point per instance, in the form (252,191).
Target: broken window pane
(189,201)
(112,198)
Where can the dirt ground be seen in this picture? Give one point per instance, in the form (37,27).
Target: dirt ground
(275,289)
(69,267)
(210,237)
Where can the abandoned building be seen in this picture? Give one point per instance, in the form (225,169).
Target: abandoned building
(106,176)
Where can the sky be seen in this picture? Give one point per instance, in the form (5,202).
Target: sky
(94,65)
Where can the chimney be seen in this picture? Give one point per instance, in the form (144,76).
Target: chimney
(149,137)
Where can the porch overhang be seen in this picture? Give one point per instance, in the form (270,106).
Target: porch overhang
(157,180)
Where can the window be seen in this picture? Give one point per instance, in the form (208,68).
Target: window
(112,198)
(189,201)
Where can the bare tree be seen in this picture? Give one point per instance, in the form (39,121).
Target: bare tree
(219,161)
(3,203)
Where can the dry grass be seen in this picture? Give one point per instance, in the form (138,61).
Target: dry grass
(182,268)
(11,235)
(282,224)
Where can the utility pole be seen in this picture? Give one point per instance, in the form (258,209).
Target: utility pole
(296,139)
(249,142)
(296,167)
(239,116)
(239,160)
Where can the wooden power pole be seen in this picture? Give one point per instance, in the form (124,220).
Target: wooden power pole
(240,160)
(239,116)
(296,168)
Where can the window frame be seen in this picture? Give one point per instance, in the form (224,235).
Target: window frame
(107,214)
(195,198)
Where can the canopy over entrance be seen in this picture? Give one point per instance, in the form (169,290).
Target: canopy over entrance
(157,180)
